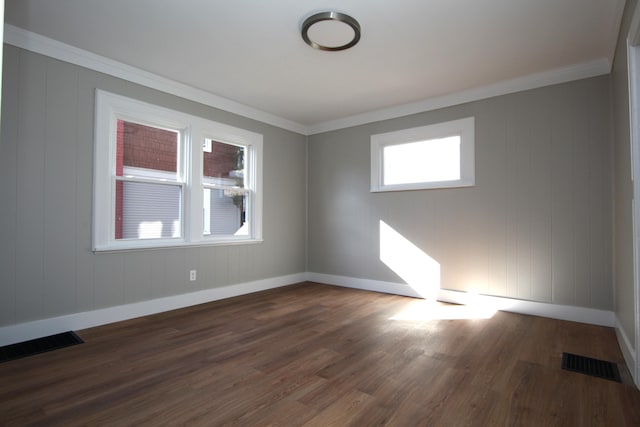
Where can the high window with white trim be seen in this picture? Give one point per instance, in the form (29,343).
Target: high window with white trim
(165,178)
(433,156)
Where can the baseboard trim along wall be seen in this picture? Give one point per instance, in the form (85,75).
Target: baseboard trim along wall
(628,352)
(40,328)
(554,311)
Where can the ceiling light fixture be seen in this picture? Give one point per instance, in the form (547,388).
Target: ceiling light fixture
(330,31)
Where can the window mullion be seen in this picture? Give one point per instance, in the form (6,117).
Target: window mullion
(194,177)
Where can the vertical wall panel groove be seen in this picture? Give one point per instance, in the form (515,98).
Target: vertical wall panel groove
(30,191)
(59,239)
(9,189)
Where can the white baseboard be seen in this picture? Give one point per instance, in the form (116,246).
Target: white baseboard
(554,311)
(628,352)
(364,284)
(41,328)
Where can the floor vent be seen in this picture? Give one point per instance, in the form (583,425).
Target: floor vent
(39,345)
(589,366)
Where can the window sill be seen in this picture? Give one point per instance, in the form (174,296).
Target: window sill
(145,246)
(424,186)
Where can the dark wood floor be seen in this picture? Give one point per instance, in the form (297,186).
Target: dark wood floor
(318,355)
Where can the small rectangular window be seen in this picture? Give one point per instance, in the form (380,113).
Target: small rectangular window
(433,156)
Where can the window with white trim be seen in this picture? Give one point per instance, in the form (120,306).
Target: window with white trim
(226,197)
(434,156)
(164,178)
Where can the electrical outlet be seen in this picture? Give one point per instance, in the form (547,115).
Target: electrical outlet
(192,275)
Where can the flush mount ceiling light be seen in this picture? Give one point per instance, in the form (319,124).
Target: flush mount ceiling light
(330,31)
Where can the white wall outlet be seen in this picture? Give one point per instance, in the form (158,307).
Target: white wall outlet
(192,275)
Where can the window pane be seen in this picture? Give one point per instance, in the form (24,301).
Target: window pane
(424,161)
(144,151)
(223,164)
(225,212)
(147,211)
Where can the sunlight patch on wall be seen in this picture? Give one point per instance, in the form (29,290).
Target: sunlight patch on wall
(408,261)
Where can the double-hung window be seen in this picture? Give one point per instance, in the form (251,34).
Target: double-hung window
(165,178)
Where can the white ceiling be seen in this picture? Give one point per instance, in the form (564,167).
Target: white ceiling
(411,51)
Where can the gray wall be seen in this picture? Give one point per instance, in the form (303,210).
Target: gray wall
(623,190)
(46,265)
(537,225)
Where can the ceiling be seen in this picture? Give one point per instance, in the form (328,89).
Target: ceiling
(411,51)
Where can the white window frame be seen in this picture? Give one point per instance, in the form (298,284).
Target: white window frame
(252,170)
(109,108)
(464,128)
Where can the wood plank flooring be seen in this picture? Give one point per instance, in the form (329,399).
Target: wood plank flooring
(317,355)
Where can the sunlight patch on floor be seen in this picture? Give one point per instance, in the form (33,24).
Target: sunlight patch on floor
(424,310)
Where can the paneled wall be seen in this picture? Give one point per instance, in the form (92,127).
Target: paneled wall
(46,155)
(537,225)
(623,188)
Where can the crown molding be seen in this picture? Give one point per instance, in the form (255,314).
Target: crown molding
(43,45)
(52,48)
(546,78)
